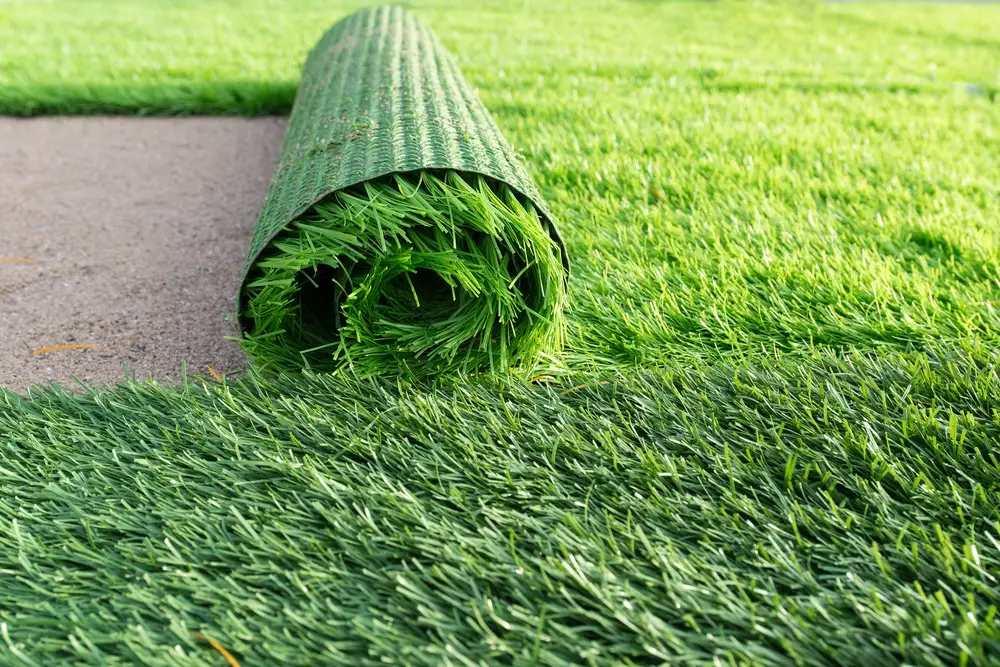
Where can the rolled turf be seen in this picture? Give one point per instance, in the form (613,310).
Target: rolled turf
(400,233)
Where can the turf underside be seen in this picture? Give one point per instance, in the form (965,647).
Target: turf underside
(782,223)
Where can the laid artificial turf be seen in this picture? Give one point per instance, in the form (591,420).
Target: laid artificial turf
(835,512)
(782,227)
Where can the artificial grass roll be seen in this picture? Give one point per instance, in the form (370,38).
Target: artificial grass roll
(400,233)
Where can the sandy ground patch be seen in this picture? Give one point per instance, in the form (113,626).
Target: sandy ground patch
(127,233)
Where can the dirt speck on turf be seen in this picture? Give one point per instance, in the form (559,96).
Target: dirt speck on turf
(128,235)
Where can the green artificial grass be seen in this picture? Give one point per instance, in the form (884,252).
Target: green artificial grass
(247,98)
(732,177)
(782,227)
(420,277)
(400,234)
(839,511)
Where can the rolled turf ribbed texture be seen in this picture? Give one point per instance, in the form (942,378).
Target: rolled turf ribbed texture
(400,233)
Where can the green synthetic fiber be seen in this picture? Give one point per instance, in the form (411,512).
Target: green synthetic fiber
(811,512)
(777,440)
(423,275)
(400,233)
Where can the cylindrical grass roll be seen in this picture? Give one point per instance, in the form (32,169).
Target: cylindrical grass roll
(400,233)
